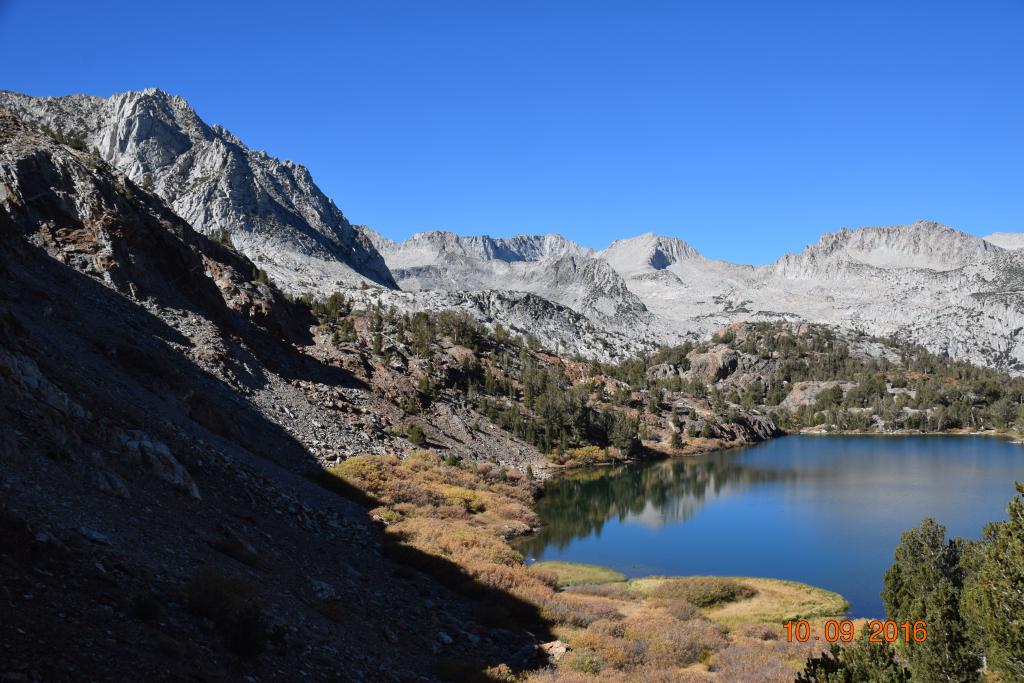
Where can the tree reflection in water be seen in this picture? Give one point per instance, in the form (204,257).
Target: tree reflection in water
(578,503)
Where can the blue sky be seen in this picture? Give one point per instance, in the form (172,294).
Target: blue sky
(746,128)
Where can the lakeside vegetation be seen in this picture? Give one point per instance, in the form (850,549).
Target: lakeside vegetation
(451,520)
(457,517)
(577,573)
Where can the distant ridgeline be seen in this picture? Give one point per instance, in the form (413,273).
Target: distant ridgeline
(949,291)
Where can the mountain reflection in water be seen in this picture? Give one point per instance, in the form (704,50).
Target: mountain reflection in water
(582,501)
(826,510)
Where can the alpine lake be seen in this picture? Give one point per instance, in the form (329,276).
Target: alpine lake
(822,510)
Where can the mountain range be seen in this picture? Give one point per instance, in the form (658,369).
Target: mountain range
(206,479)
(951,292)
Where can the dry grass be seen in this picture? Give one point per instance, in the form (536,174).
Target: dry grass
(452,521)
(701,591)
(441,516)
(779,601)
(753,663)
(615,591)
(679,608)
(575,574)
(586,456)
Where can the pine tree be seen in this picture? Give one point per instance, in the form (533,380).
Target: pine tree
(993,598)
(624,434)
(416,435)
(924,584)
(855,663)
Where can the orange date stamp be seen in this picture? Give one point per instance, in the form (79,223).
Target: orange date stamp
(844,631)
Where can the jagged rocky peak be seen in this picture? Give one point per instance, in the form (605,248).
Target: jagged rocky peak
(924,244)
(88,216)
(441,244)
(1007,240)
(270,209)
(646,252)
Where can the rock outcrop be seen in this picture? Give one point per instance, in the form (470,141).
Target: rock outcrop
(160,415)
(270,210)
(1007,240)
(951,292)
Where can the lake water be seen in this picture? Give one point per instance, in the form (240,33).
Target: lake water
(825,510)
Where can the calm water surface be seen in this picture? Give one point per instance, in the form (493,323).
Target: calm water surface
(826,510)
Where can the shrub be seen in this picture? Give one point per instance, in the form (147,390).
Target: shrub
(860,661)
(585,664)
(680,608)
(416,435)
(704,591)
(762,632)
(755,663)
(672,643)
(572,611)
(469,500)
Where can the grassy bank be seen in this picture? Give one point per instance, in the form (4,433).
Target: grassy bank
(452,520)
(765,601)
(575,573)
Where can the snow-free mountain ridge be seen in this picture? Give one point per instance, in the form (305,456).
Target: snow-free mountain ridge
(952,292)
(1007,240)
(271,210)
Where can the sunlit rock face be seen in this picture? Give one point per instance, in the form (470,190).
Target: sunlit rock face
(271,210)
(927,283)
(1007,240)
(944,289)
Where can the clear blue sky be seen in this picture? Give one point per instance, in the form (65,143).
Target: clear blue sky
(746,128)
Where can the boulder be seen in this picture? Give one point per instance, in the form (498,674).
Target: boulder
(714,365)
(155,456)
(554,650)
(662,371)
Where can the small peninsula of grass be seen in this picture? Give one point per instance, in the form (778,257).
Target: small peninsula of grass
(744,600)
(575,574)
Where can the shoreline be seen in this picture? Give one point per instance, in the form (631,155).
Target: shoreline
(657,455)
(1013,437)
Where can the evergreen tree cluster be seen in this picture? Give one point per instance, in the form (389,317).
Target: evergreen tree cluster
(970,595)
(904,388)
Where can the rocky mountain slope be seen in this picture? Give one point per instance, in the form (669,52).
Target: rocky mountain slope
(946,290)
(271,210)
(949,291)
(549,265)
(1007,240)
(162,417)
